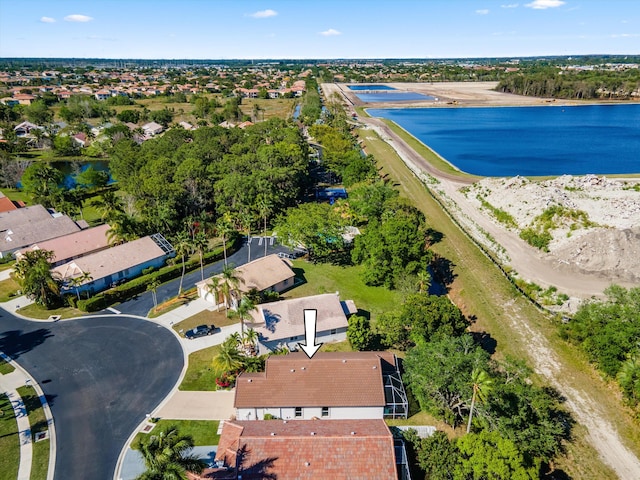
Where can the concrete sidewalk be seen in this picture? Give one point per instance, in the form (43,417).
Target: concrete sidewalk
(9,384)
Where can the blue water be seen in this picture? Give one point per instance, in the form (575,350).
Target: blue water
(69,170)
(392,97)
(508,141)
(373,86)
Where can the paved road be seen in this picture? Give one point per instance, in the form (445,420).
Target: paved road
(141,304)
(100,375)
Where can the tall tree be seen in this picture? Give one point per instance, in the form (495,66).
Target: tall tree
(243,312)
(183,246)
(230,282)
(214,288)
(224,228)
(167,456)
(229,358)
(482,384)
(37,280)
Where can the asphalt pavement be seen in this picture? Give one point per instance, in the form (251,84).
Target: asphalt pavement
(141,304)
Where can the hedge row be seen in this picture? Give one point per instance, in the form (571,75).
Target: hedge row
(138,285)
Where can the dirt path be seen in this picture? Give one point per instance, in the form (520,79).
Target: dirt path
(602,434)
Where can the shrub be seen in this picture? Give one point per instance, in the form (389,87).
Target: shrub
(539,240)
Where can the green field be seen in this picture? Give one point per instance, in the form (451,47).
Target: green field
(200,374)
(38,422)
(203,432)
(326,278)
(485,294)
(9,441)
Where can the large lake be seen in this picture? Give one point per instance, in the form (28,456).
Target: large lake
(508,141)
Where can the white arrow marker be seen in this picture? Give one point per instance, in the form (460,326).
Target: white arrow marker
(310,323)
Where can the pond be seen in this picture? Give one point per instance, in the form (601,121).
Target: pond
(71,168)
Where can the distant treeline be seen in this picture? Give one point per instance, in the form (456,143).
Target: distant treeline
(570,84)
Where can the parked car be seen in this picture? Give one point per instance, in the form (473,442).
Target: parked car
(200,331)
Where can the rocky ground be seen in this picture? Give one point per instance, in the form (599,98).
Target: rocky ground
(604,240)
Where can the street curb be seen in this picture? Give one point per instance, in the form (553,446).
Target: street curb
(47,414)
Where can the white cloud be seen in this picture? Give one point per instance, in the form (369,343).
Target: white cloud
(510,5)
(625,35)
(77,18)
(330,33)
(264,14)
(47,20)
(484,11)
(544,4)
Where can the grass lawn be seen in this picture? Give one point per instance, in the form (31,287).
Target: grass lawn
(343,346)
(173,303)
(17,195)
(200,374)
(5,367)
(481,290)
(40,313)
(8,289)
(203,432)
(276,107)
(219,319)
(9,441)
(325,278)
(38,422)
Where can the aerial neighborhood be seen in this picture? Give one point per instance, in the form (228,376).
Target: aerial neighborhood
(234,269)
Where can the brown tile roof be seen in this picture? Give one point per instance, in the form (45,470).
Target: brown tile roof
(6,204)
(75,244)
(329,379)
(263,273)
(309,449)
(112,260)
(285,319)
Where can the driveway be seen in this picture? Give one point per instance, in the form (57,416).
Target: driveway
(101,375)
(141,304)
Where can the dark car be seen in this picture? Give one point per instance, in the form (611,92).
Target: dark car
(200,331)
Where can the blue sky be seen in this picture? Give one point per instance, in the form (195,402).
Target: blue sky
(227,29)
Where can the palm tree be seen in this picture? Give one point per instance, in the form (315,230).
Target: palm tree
(224,228)
(153,287)
(243,312)
(200,243)
(246,219)
(166,456)
(214,288)
(229,358)
(183,248)
(265,205)
(230,282)
(110,206)
(250,339)
(482,386)
(629,378)
(76,282)
(36,278)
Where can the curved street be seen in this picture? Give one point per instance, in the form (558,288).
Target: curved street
(103,373)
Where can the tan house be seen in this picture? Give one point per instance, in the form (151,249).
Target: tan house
(270,273)
(281,324)
(73,245)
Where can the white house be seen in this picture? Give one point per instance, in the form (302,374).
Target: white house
(152,128)
(281,324)
(333,385)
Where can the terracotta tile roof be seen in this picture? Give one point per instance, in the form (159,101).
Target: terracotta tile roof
(6,204)
(329,379)
(309,449)
(263,273)
(75,244)
(285,319)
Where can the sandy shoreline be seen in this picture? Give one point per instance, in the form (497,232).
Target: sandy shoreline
(580,263)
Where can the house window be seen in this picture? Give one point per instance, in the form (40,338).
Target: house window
(286,281)
(325,411)
(292,338)
(334,331)
(298,412)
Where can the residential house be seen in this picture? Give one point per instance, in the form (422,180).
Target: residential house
(270,273)
(152,128)
(23,129)
(73,245)
(288,450)
(244,125)
(81,139)
(116,264)
(331,385)
(102,94)
(10,102)
(26,226)
(186,125)
(24,98)
(6,204)
(281,324)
